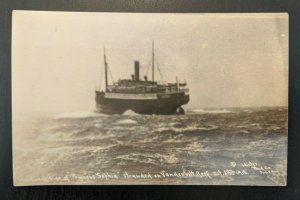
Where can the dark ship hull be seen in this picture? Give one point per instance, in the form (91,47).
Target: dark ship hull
(165,103)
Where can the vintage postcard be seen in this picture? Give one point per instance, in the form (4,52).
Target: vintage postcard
(149,98)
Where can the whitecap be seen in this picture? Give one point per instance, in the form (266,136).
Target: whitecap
(126,121)
(138,158)
(122,128)
(169,159)
(212,111)
(243,131)
(98,125)
(196,147)
(184,129)
(83,114)
(174,124)
(130,113)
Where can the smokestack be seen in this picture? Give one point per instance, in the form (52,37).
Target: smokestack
(137,70)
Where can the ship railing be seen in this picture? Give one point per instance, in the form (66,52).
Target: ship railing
(183,89)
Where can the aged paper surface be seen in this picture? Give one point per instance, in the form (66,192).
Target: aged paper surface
(132,98)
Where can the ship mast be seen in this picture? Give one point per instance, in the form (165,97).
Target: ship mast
(153,61)
(105,67)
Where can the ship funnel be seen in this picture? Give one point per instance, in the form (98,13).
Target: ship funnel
(137,70)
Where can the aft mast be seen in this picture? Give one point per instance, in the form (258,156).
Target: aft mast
(105,68)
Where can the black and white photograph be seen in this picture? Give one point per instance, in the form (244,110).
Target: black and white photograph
(149,98)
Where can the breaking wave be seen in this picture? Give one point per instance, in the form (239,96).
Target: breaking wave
(78,115)
(126,121)
(130,113)
(186,129)
(212,111)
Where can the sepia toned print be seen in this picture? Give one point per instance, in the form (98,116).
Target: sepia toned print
(149,98)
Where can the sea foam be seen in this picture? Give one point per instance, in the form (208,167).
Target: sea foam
(83,114)
(212,111)
(126,121)
(130,112)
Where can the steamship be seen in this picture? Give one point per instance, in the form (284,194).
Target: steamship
(142,96)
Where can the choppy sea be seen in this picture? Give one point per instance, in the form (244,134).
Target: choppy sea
(212,147)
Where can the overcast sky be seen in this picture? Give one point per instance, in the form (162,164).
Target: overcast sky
(228,60)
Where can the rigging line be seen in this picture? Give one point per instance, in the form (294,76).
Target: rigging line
(158,69)
(160,73)
(110,74)
(100,79)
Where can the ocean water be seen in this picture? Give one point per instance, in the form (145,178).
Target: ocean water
(211,147)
